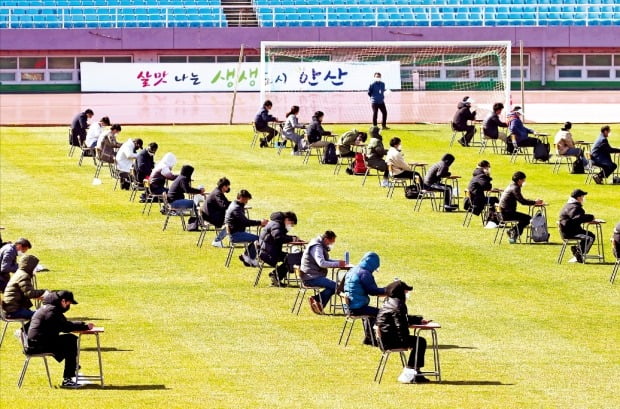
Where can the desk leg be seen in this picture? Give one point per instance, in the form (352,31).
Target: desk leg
(99,357)
(77,359)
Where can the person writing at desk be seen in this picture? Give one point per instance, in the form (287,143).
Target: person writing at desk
(20,290)
(46,326)
(572,217)
(508,206)
(271,240)
(314,264)
(261,122)
(519,130)
(601,155)
(393,323)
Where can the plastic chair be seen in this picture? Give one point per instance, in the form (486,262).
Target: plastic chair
(301,294)
(349,321)
(44,355)
(385,355)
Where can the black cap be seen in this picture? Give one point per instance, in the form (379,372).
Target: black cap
(578,193)
(397,289)
(66,295)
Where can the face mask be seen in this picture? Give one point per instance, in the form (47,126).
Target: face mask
(583,200)
(523,184)
(151,153)
(398,148)
(20,253)
(330,247)
(407,295)
(289,227)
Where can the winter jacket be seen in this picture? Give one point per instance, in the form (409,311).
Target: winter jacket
(47,323)
(272,238)
(375,149)
(291,124)
(315,131)
(602,150)
(376,92)
(8,259)
(491,124)
(144,164)
(126,155)
(79,124)
(396,159)
(106,150)
(479,184)
(510,197)
(20,289)
(235,218)
(163,171)
(393,323)
(563,142)
(439,170)
(182,185)
(572,216)
(519,130)
(311,267)
(461,117)
(346,140)
(214,208)
(616,237)
(359,282)
(262,119)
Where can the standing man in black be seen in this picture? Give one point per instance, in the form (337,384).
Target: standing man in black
(376,92)
(79,125)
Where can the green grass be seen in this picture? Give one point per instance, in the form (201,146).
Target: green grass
(183,331)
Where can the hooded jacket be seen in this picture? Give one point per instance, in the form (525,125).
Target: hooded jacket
(346,140)
(572,216)
(20,289)
(491,124)
(49,321)
(375,149)
(479,184)
(359,282)
(315,130)
(144,164)
(272,238)
(126,155)
(616,238)
(392,319)
(214,208)
(439,170)
(163,171)
(462,115)
(182,184)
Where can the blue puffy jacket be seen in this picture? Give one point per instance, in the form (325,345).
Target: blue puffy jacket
(359,282)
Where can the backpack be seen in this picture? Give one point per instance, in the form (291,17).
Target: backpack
(541,152)
(578,168)
(359,166)
(329,155)
(538,227)
(412,192)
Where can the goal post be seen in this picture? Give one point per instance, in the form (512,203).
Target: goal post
(425,79)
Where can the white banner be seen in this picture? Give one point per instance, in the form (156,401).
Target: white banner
(209,77)
(330,75)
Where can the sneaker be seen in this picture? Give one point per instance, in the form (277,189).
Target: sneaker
(421,379)
(573,260)
(315,306)
(577,255)
(70,383)
(490,225)
(349,171)
(597,179)
(512,240)
(263,143)
(462,143)
(450,208)
(385,183)
(407,375)
(251,261)
(245,263)
(385,127)
(218,244)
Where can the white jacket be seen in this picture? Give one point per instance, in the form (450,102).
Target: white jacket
(125,156)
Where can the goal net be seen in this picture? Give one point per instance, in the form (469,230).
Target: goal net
(425,80)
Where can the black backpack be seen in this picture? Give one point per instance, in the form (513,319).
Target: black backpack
(578,168)
(329,156)
(412,192)
(541,152)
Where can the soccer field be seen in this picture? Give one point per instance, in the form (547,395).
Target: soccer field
(183,331)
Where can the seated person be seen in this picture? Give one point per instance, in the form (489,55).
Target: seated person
(601,155)
(519,130)
(565,146)
(124,160)
(478,186)
(616,241)
(145,162)
(290,127)
(8,259)
(461,119)
(492,123)
(396,159)
(106,150)
(20,290)
(314,264)
(393,323)
(359,283)
(315,131)
(375,153)
(94,132)
(45,328)
(214,208)
(432,180)
(271,240)
(572,217)
(348,139)
(161,173)
(261,122)
(508,206)
(79,126)
(181,185)
(237,222)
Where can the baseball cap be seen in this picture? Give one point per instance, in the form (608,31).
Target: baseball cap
(66,295)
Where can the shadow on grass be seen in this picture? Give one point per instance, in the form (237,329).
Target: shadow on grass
(474,383)
(107,349)
(126,387)
(445,346)
(87,319)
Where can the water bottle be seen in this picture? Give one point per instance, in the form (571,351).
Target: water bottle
(346,257)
